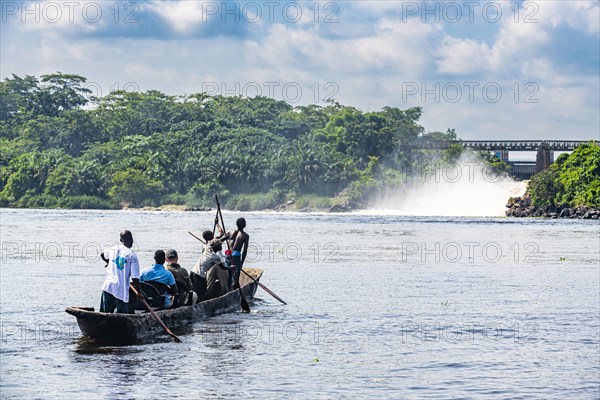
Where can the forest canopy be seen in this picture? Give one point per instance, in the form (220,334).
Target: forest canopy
(62,147)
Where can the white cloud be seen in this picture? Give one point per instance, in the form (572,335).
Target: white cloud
(521,38)
(580,15)
(462,56)
(68,16)
(137,71)
(395,47)
(368,62)
(183,16)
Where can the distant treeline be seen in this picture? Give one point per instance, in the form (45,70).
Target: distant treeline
(61,147)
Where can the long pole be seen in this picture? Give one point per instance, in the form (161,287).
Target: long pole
(155,315)
(263,287)
(243,301)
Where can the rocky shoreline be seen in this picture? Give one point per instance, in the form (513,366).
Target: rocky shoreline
(521,207)
(345,207)
(290,206)
(168,207)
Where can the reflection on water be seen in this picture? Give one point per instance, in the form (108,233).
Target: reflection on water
(379,306)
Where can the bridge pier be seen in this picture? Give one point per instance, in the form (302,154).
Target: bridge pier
(523,169)
(543,159)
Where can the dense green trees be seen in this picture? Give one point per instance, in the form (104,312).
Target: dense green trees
(574,180)
(61,147)
(50,96)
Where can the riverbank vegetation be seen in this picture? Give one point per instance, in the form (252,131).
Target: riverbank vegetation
(62,147)
(572,180)
(569,188)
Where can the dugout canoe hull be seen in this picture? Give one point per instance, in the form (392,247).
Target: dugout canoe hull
(117,329)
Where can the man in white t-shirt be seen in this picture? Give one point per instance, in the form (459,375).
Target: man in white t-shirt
(122,268)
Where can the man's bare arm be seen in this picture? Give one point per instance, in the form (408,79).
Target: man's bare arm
(245,251)
(136,284)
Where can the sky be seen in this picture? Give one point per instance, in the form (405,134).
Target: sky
(488,69)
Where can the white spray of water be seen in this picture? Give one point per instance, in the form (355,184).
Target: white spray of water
(465,188)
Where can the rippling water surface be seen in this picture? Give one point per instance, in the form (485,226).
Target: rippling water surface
(379,306)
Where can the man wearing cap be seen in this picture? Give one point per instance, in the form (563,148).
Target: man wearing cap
(122,267)
(158,273)
(181,278)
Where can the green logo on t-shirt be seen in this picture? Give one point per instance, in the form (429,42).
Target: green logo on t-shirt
(120,262)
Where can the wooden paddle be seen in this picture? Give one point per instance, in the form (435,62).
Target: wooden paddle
(200,240)
(145,303)
(263,287)
(243,301)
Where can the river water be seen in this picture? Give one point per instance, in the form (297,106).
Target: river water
(380,306)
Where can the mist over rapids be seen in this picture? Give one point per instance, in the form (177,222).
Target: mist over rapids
(465,188)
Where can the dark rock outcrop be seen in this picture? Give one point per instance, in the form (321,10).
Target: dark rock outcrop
(347,206)
(204,208)
(521,207)
(280,207)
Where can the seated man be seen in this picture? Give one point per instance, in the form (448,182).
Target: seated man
(186,296)
(217,279)
(209,259)
(158,273)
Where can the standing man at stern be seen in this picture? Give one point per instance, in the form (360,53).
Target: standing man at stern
(121,268)
(239,248)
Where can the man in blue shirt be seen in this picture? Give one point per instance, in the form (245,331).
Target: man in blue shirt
(158,273)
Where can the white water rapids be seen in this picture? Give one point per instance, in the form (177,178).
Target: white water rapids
(465,188)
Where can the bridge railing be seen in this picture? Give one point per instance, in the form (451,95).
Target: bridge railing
(521,145)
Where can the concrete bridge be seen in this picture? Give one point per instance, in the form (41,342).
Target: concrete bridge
(521,169)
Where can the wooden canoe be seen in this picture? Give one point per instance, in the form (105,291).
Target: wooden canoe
(118,329)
